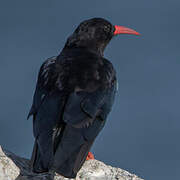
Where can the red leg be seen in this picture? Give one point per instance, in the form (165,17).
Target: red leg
(90,156)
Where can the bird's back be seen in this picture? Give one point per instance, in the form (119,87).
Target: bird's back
(75,91)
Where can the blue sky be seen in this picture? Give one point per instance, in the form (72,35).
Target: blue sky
(142,132)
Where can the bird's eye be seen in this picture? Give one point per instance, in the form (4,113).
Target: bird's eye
(107,29)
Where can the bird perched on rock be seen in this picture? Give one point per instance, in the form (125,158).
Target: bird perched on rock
(74,94)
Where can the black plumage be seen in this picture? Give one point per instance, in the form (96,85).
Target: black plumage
(74,94)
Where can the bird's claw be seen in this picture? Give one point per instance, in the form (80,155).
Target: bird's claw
(90,156)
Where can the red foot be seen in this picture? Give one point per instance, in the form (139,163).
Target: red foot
(90,156)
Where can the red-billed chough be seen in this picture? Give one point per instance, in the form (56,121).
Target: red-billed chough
(74,94)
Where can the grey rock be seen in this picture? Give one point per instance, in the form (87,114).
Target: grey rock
(13,167)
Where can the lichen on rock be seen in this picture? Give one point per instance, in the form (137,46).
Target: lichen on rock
(13,167)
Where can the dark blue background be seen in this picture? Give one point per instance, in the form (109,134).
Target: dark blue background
(143,130)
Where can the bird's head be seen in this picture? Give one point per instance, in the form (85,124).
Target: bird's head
(94,34)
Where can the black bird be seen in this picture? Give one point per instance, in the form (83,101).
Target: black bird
(74,94)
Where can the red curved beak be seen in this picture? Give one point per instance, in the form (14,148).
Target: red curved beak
(124,30)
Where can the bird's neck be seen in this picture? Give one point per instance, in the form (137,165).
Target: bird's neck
(97,49)
(76,51)
(88,45)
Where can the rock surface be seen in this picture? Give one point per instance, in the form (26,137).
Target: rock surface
(13,167)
